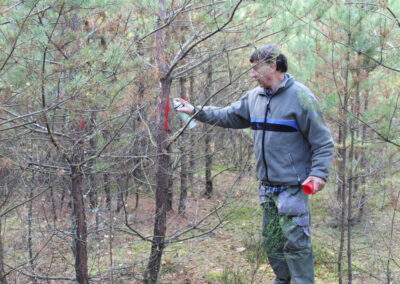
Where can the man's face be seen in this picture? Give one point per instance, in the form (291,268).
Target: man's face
(264,73)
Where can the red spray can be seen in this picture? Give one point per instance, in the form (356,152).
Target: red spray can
(308,188)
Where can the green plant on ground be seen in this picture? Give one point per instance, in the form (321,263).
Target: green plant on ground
(255,249)
(234,276)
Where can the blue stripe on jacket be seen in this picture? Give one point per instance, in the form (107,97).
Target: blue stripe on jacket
(291,123)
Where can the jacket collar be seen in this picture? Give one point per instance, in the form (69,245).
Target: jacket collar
(288,80)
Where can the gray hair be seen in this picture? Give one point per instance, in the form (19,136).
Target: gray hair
(270,53)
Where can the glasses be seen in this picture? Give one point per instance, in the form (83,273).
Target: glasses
(261,66)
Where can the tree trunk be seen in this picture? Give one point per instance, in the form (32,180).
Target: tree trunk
(107,190)
(207,142)
(92,188)
(162,179)
(63,192)
(349,214)
(341,154)
(79,219)
(110,244)
(184,160)
(363,166)
(240,162)
(121,197)
(163,159)
(343,162)
(53,205)
(3,279)
(170,192)
(192,160)
(106,176)
(30,217)
(93,204)
(184,182)
(342,187)
(356,154)
(93,146)
(208,166)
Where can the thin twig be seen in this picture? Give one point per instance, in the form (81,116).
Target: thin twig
(17,37)
(384,138)
(107,144)
(22,203)
(394,16)
(182,53)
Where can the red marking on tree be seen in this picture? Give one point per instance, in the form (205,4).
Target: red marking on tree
(166,113)
(83,121)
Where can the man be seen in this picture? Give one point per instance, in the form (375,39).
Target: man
(292,146)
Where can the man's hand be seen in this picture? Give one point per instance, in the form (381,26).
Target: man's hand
(319,183)
(186,107)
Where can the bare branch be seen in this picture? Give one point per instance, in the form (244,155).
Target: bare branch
(383,137)
(394,16)
(171,19)
(182,53)
(106,144)
(22,203)
(17,37)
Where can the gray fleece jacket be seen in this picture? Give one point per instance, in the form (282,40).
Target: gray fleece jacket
(291,140)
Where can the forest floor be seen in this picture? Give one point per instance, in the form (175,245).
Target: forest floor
(230,253)
(217,240)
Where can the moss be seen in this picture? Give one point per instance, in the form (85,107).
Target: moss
(235,276)
(240,214)
(177,248)
(325,262)
(214,275)
(323,254)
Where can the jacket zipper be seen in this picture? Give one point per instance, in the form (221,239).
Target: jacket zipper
(263,135)
(263,141)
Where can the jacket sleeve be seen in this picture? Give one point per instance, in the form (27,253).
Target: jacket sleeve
(236,115)
(317,133)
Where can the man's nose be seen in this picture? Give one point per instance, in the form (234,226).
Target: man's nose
(253,74)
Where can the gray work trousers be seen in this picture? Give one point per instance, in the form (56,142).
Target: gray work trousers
(286,236)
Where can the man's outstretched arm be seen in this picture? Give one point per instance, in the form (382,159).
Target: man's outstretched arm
(236,115)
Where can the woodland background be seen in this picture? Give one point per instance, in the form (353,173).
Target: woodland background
(100,182)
